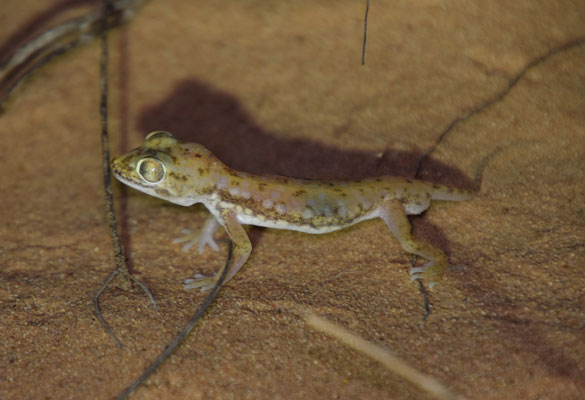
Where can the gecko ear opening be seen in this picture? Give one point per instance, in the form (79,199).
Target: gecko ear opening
(158,134)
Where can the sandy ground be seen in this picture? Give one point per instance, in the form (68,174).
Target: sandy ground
(277,87)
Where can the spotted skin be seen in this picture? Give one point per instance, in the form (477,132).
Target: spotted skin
(188,173)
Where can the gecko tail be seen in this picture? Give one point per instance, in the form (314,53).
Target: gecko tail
(442,192)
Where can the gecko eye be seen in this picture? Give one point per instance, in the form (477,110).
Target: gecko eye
(151,170)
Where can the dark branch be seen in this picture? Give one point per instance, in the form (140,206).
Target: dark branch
(182,335)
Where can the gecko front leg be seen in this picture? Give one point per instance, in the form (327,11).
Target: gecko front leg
(241,251)
(393,214)
(201,238)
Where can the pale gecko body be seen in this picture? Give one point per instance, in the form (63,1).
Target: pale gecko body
(188,173)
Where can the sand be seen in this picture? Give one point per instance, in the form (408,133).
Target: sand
(278,87)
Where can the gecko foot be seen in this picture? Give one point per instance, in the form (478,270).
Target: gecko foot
(433,271)
(202,238)
(200,281)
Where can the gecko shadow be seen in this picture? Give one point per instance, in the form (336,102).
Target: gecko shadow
(196,112)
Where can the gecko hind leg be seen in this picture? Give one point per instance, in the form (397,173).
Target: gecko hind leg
(395,217)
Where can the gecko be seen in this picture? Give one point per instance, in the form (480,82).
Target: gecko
(187,173)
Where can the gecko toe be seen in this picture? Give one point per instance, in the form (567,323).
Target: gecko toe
(201,239)
(200,281)
(431,271)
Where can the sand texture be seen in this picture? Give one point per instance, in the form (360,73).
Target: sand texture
(277,87)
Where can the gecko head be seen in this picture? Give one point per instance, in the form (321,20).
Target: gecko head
(166,168)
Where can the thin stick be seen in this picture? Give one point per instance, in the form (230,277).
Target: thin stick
(96,306)
(365,32)
(380,354)
(498,97)
(423,291)
(182,335)
(41,62)
(120,258)
(57,40)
